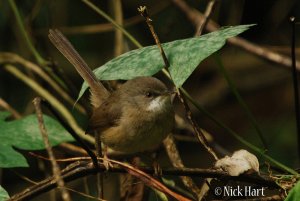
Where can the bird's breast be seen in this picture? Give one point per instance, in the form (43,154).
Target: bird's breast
(139,130)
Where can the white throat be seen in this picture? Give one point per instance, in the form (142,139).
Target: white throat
(156,104)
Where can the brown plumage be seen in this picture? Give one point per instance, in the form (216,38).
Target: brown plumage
(134,118)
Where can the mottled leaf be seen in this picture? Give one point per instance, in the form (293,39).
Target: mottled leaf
(184,56)
(25,134)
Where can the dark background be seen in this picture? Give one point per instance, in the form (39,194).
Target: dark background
(265,86)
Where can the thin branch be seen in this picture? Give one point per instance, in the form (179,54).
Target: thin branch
(200,136)
(81,169)
(239,138)
(12,58)
(73,149)
(95,28)
(72,132)
(208,11)
(176,161)
(49,97)
(7,107)
(169,143)
(295,81)
(55,168)
(241,101)
(23,32)
(106,27)
(107,17)
(143,11)
(268,181)
(196,18)
(119,39)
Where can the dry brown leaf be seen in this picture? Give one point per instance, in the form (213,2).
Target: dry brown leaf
(240,162)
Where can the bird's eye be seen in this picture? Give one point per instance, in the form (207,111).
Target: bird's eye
(149,94)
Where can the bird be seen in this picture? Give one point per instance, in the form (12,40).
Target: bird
(134,118)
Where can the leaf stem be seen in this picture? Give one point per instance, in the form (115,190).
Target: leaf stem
(108,18)
(240,100)
(239,138)
(28,40)
(42,62)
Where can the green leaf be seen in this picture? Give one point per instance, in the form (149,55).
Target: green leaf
(25,134)
(3,194)
(294,194)
(184,56)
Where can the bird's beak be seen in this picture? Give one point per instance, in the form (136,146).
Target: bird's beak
(169,92)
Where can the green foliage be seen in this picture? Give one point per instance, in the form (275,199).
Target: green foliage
(184,56)
(294,194)
(25,134)
(3,194)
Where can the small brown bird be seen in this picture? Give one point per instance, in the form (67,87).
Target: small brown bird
(136,117)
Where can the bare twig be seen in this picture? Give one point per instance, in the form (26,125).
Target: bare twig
(94,28)
(150,181)
(196,18)
(200,136)
(174,171)
(105,27)
(7,107)
(25,35)
(82,168)
(241,102)
(295,81)
(73,149)
(102,13)
(119,38)
(169,143)
(176,161)
(49,97)
(143,11)
(55,168)
(73,133)
(208,11)
(12,58)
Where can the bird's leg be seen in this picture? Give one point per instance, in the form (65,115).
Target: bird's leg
(155,164)
(106,162)
(98,145)
(102,153)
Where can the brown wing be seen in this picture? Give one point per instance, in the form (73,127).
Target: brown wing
(105,116)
